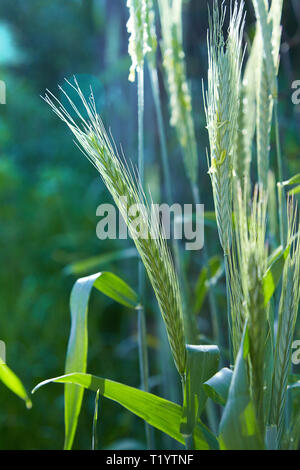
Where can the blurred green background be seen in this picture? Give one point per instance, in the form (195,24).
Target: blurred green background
(49,194)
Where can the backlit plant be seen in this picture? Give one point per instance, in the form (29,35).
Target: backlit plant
(253,397)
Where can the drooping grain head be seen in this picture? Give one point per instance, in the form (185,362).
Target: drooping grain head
(127,192)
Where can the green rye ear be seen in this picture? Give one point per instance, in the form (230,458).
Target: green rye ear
(126,192)
(222,108)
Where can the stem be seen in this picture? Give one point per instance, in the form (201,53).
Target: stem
(188,439)
(140,76)
(142,334)
(281,191)
(229,320)
(95,420)
(167,178)
(161,130)
(217,329)
(216,324)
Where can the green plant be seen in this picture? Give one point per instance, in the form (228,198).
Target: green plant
(259,282)
(9,378)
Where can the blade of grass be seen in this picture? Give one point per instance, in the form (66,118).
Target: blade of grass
(158,412)
(76,357)
(11,381)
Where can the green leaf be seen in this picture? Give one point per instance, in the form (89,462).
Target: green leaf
(294,180)
(275,255)
(76,358)
(295,190)
(203,282)
(201,290)
(273,275)
(238,427)
(115,288)
(217,387)
(9,378)
(89,264)
(202,363)
(158,412)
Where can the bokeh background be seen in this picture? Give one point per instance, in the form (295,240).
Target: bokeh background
(49,194)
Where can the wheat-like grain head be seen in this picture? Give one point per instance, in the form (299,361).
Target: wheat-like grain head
(252,256)
(127,192)
(222,108)
(139,41)
(269,36)
(265,24)
(246,118)
(151,32)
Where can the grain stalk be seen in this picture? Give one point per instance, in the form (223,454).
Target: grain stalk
(182,120)
(180,107)
(288,310)
(270,37)
(246,117)
(273,211)
(222,109)
(151,58)
(252,256)
(148,238)
(137,48)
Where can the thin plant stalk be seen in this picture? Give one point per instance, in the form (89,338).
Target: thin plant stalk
(167,178)
(95,421)
(216,324)
(222,110)
(281,191)
(196,195)
(181,116)
(178,259)
(139,45)
(229,317)
(161,131)
(141,124)
(142,330)
(287,317)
